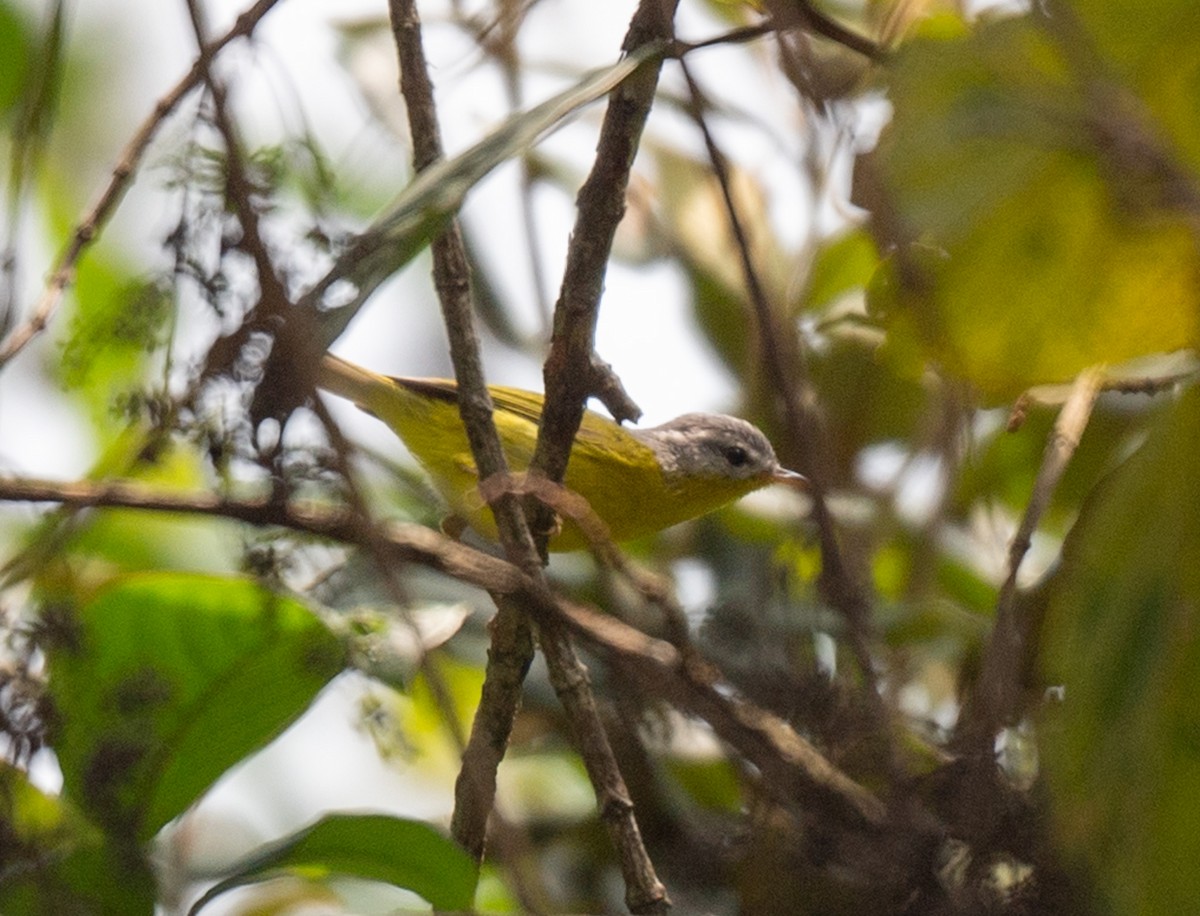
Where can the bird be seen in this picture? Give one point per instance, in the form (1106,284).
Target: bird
(637,481)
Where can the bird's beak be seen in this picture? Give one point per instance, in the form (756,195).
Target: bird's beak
(783,475)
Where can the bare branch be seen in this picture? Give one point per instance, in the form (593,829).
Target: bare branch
(474,790)
(511,650)
(409,542)
(599,209)
(995,700)
(785,367)
(795,773)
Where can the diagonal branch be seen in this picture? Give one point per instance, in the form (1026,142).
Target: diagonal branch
(94,220)
(785,367)
(996,698)
(793,771)
(571,372)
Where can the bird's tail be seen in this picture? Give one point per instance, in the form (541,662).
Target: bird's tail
(354,383)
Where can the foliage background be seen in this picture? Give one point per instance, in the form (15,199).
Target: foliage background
(983,618)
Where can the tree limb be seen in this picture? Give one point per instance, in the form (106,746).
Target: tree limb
(794,772)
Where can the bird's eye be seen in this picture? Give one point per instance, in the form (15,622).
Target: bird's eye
(736,456)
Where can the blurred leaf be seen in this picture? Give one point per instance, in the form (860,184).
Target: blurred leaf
(734,12)
(695,225)
(712,783)
(375,847)
(1003,465)
(118,322)
(966,587)
(1129,38)
(410,724)
(53,860)
(544,787)
(390,645)
(721,312)
(492,895)
(1055,257)
(864,401)
(421,712)
(170,681)
(100,878)
(35,826)
(39,84)
(16,47)
(842,264)
(1122,755)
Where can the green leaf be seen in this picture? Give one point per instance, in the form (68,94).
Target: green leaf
(118,321)
(55,861)
(37,827)
(172,679)
(38,88)
(1122,755)
(1053,254)
(90,881)
(843,264)
(424,208)
(16,46)
(712,783)
(376,847)
(864,400)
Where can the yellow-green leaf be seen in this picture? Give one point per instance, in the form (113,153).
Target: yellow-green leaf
(1042,254)
(1122,755)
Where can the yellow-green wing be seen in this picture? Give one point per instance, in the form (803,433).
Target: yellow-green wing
(614,471)
(594,430)
(518,413)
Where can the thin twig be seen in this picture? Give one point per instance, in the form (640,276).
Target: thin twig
(406,542)
(511,650)
(800,14)
(644,893)
(569,505)
(452,280)
(739,35)
(127,163)
(239,189)
(572,374)
(475,787)
(599,208)
(996,698)
(1148,385)
(601,205)
(785,366)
